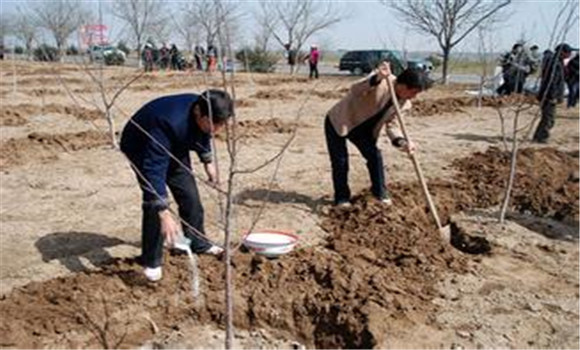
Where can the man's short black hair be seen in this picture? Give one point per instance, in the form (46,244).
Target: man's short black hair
(534,47)
(563,47)
(222,106)
(415,79)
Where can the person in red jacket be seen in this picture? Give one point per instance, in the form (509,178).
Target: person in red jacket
(313,59)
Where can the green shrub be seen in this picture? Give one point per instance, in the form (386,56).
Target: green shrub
(114,58)
(19,50)
(257,60)
(123,47)
(72,51)
(46,53)
(436,60)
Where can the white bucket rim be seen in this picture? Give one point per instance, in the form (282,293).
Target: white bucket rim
(293,238)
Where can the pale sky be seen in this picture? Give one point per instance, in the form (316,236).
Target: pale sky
(372,25)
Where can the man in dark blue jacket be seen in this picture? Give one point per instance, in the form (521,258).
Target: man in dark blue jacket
(157,141)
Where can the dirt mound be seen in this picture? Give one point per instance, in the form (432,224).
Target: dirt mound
(429,107)
(257,128)
(142,87)
(46,92)
(11,117)
(43,146)
(23,111)
(54,80)
(330,94)
(281,80)
(546,182)
(284,95)
(241,103)
(25,70)
(380,264)
(291,94)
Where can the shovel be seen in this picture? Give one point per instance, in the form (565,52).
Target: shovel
(444,231)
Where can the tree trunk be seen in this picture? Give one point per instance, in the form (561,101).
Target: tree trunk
(228,261)
(512,175)
(111,122)
(29,55)
(59,51)
(480,94)
(139,62)
(446,51)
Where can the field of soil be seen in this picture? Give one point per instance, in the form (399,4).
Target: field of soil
(373,276)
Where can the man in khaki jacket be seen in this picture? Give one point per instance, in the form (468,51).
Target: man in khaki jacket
(359,117)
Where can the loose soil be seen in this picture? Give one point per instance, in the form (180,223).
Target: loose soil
(45,147)
(430,107)
(284,95)
(257,128)
(380,266)
(27,110)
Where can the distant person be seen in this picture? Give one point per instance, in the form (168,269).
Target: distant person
(174,57)
(211,58)
(359,117)
(148,57)
(535,59)
(313,58)
(157,141)
(572,81)
(516,66)
(199,53)
(292,56)
(164,57)
(551,90)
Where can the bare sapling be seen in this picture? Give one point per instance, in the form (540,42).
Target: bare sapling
(521,105)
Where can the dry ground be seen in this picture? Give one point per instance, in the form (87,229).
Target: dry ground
(69,201)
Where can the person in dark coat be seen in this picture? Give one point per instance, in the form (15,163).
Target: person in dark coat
(157,141)
(148,58)
(199,53)
(174,57)
(516,66)
(551,90)
(164,57)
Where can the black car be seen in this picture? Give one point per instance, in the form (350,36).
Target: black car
(364,61)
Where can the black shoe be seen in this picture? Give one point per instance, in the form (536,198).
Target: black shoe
(541,141)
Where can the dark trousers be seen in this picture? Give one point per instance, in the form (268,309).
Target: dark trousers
(547,122)
(572,94)
(183,187)
(512,83)
(362,137)
(314,70)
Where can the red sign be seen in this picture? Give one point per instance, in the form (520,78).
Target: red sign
(94,34)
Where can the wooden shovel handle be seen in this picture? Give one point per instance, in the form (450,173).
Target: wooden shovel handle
(413,157)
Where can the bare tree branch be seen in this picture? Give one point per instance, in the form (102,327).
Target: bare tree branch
(449,21)
(293,22)
(25,28)
(144,17)
(61,18)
